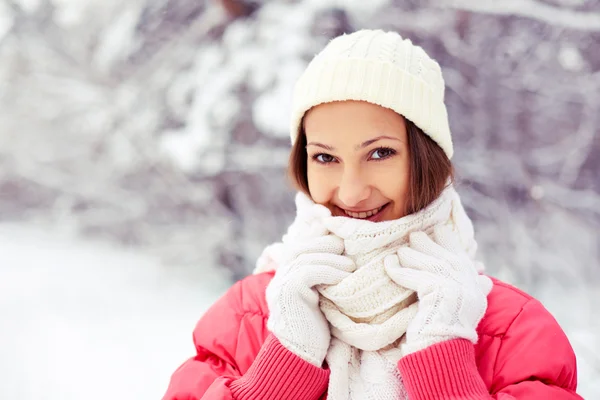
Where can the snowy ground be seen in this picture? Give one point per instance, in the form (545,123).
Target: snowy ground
(85,320)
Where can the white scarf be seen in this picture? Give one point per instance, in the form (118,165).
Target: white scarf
(368,313)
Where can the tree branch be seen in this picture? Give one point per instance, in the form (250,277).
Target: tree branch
(583,21)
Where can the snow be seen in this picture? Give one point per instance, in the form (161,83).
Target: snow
(6,19)
(113,48)
(86,320)
(570,58)
(533,9)
(29,6)
(163,124)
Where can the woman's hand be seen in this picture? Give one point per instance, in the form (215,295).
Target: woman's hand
(452,295)
(295,317)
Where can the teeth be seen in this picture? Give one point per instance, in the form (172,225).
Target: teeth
(363,215)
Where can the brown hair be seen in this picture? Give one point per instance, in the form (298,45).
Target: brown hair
(430,168)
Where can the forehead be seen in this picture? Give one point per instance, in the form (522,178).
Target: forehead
(346,120)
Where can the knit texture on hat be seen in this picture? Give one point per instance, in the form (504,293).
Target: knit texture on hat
(380,68)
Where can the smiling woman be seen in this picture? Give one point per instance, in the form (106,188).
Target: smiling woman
(375,292)
(362,157)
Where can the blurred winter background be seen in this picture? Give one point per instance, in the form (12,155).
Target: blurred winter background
(142,154)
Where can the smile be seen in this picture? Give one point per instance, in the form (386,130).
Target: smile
(370,214)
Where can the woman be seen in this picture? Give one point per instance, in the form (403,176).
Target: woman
(374,292)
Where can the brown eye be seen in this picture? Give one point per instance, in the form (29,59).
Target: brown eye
(382,153)
(324,158)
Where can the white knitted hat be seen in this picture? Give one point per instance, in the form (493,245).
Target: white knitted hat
(380,68)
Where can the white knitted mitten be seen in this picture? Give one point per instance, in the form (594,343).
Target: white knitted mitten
(452,295)
(295,317)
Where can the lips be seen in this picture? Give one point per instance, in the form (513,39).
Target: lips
(369,215)
(363,214)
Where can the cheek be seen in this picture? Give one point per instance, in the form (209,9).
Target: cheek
(393,183)
(320,186)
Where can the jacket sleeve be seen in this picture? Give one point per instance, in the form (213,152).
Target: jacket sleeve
(535,361)
(226,368)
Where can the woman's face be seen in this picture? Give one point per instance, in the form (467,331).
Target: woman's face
(358,160)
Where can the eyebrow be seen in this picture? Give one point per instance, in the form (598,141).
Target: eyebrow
(361,146)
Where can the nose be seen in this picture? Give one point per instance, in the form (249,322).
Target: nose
(353,188)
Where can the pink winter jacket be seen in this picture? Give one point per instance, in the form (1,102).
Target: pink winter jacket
(522,353)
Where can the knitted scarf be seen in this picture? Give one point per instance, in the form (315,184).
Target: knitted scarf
(368,313)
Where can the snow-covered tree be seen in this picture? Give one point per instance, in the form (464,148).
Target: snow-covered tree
(163,123)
